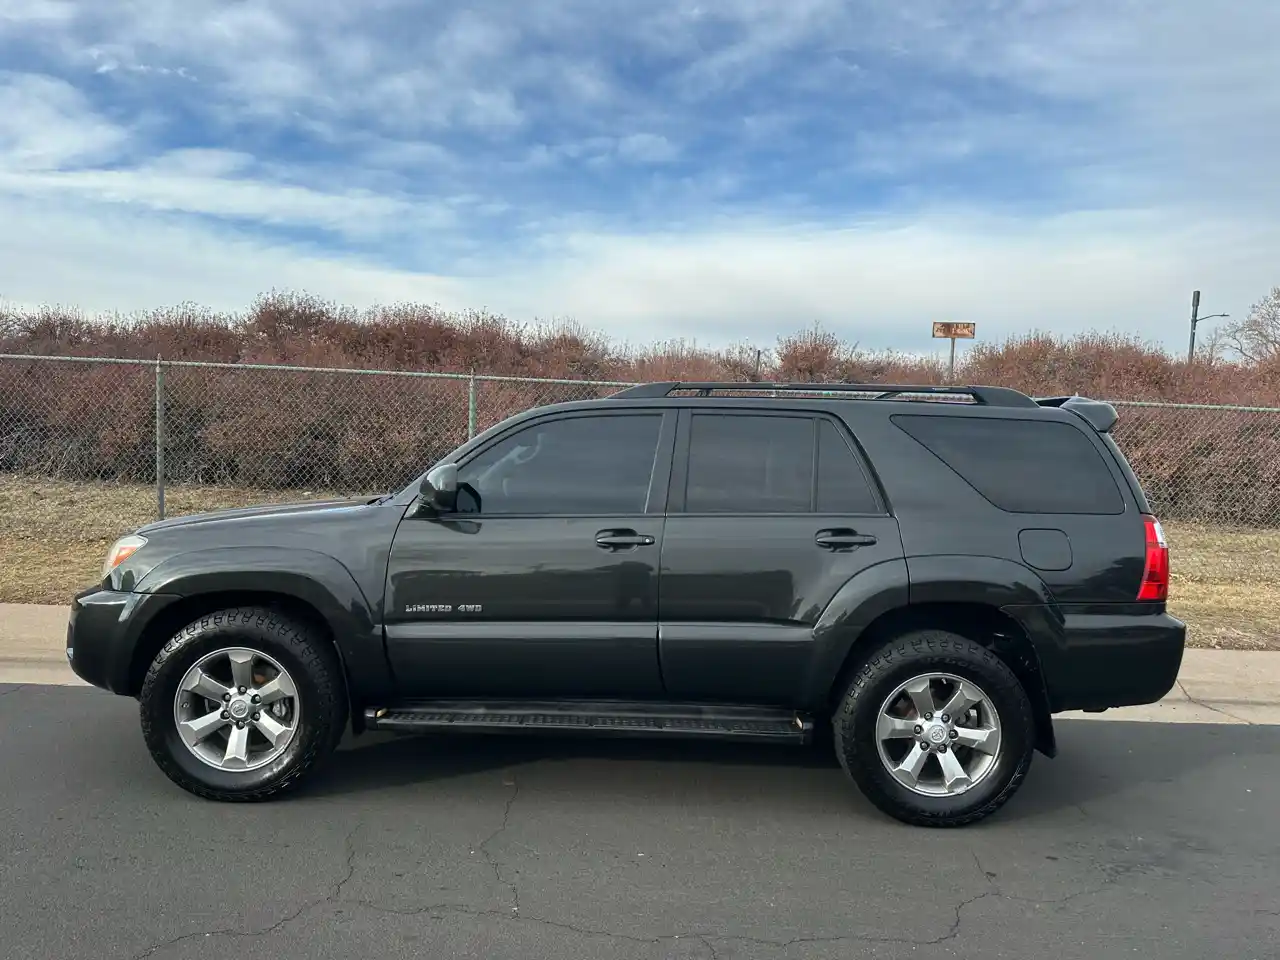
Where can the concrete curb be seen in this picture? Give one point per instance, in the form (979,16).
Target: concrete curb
(1214,686)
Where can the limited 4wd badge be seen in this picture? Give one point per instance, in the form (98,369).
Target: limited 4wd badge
(444,608)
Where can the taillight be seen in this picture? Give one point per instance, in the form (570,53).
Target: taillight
(1155,574)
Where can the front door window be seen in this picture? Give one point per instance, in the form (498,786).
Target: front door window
(578,466)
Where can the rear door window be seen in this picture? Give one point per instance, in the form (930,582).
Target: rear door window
(1021,466)
(750,464)
(842,486)
(744,463)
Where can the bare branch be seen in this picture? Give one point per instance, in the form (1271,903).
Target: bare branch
(1257,337)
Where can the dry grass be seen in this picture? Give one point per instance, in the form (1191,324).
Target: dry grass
(1226,585)
(1226,582)
(55,534)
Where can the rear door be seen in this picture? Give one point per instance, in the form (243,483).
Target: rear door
(770,514)
(544,583)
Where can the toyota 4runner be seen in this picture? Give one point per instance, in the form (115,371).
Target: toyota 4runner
(933,572)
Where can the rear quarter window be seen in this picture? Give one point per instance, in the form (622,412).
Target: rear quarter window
(1021,466)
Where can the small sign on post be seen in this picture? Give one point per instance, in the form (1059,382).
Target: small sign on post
(953,331)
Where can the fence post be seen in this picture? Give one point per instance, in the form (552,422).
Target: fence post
(160,436)
(471,406)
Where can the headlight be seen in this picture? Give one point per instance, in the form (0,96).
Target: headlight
(120,551)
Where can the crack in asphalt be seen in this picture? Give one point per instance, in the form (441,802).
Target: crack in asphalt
(988,878)
(14,689)
(493,862)
(1101,887)
(707,938)
(1211,708)
(349,869)
(1039,901)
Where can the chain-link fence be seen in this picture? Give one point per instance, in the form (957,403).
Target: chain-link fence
(1205,463)
(240,432)
(258,428)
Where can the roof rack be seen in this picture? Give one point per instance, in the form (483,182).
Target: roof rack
(990,396)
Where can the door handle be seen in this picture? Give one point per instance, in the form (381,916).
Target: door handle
(843,539)
(622,540)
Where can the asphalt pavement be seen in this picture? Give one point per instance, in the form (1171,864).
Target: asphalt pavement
(1141,840)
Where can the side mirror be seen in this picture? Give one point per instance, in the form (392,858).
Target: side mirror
(439,490)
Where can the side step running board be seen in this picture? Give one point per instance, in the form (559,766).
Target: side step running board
(606,718)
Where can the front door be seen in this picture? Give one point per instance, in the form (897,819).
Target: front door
(544,582)
(771,514)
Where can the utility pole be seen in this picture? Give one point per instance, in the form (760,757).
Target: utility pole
(1195,309)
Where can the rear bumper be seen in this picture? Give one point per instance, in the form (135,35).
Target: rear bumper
(1104,655)
(103,632)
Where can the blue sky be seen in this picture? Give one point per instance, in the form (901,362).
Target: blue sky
(721,170)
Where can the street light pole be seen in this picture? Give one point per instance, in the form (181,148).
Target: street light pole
(1195,309)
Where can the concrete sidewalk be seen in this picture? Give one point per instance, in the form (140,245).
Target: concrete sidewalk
(1214,686)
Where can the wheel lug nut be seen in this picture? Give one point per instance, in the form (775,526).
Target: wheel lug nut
(225,715)
(226,697)
(242,689)
(919,729)
(256,698)
(924,745)
(945,718)
(942,748)
(239,724)
(954,734)
(928,716)
(255,718)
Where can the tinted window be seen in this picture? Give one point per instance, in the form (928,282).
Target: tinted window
(583,465)
(1023,466)
(842,486)
(744,464)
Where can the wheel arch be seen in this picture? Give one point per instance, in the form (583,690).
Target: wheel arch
(309,586)
(185,610)
(979,622)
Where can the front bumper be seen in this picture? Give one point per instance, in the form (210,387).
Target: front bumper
(103,632)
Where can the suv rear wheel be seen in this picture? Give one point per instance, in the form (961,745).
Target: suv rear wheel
(242,704)
(935,729)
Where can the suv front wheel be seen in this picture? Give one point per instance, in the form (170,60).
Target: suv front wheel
(243,704)
(935,729)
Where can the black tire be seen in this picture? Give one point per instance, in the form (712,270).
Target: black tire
(311,661)
(854,726)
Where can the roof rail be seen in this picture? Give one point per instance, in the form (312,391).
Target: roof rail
(990,396)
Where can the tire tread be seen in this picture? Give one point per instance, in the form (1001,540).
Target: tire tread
(938,649)
(319,660)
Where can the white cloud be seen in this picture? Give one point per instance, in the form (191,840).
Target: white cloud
(1129,149)
(36,11)
(647,148)
(52,144)
(46,123)
(354,213)
(884,282)
(117,259)
(880,282)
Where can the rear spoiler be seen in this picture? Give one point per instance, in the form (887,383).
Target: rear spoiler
(1098,414)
